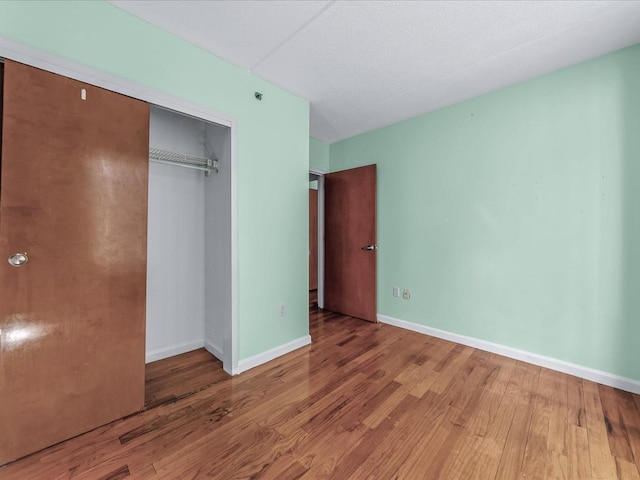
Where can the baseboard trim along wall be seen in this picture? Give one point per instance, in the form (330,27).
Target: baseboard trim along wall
(586,373)
(264,357)
(173,350)
(214,350)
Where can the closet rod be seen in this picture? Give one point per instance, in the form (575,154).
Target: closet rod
(207,165)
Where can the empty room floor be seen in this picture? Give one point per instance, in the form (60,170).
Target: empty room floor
(363,401)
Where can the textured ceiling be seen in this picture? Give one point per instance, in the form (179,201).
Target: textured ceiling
(366,64)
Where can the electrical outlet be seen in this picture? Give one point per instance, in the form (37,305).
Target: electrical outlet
(406,294)
(396,291)
(283,309)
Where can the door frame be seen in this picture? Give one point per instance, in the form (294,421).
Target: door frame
(55,64)
(319,174)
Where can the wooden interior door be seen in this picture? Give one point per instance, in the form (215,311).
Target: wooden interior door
(74,198)
(313,239)
(350,242)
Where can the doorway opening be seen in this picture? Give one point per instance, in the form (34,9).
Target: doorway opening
(316,240)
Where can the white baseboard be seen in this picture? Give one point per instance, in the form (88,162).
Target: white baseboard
(580,371)
(173,350)
(213,350)
(264,357)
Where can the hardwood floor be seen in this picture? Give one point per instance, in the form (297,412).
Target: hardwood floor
(178,377)
(364,401)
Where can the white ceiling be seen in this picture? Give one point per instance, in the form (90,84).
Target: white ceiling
(366,64)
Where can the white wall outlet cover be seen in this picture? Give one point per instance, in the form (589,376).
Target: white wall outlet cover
(406,294)
(283,309)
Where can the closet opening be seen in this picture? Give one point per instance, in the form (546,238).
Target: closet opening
(189,302)
(188,254)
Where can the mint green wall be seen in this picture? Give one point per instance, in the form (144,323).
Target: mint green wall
(272,145)
(515,217)
(318,155)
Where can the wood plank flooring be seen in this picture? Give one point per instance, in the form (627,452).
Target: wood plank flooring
(364,401)
(174,378)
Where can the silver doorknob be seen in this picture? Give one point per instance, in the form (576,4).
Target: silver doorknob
(18,259)
(369,247)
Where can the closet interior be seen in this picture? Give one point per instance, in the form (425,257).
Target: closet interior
(189,236)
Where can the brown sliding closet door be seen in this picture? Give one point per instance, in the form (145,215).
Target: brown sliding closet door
(72,318)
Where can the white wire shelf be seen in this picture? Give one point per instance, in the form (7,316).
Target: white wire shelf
(207,165)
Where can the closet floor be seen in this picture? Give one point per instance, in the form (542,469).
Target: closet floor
(181,376)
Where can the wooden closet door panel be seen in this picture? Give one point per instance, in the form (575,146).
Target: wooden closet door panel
(72,319)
